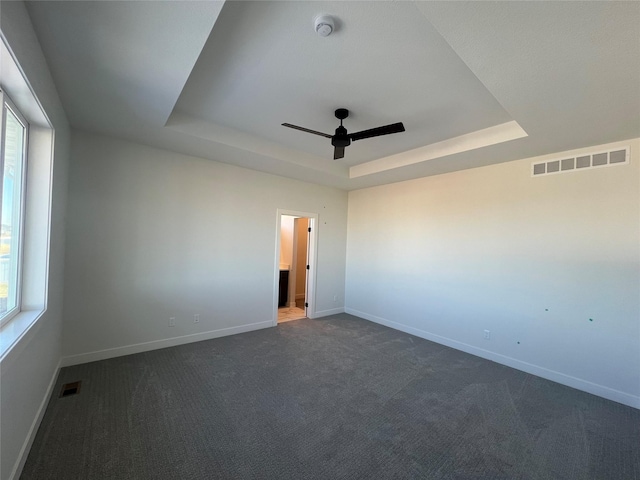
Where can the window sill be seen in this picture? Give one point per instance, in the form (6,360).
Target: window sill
(16,329)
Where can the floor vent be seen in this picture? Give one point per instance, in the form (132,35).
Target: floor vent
(69,389)
(582,162)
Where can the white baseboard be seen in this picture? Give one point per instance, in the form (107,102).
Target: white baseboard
(555,376)
(157,344)
(31,435)
(326,313)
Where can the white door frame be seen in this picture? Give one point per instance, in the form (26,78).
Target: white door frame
(311,259)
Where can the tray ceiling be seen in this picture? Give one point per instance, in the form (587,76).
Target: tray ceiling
(474,83)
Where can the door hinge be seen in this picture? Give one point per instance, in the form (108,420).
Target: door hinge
(309,230)
(308,267)
(306,304)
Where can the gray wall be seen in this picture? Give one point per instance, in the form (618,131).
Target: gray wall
(532,260)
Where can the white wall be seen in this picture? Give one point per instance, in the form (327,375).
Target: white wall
(30,367)
(155,234)
(532,260)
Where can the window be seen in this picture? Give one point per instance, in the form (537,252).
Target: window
(13,156)
(27,146)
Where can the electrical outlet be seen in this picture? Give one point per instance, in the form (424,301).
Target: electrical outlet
(172,321)
(335,298)
(487,335)
(196,318)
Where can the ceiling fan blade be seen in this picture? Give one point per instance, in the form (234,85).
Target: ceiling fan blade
(302,129)
(338,153)
(376,132)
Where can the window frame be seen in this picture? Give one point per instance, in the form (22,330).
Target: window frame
(43,151)
(8,105)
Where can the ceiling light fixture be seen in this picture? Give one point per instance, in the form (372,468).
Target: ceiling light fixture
(324,25)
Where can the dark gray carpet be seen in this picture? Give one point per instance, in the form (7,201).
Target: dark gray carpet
(334,398)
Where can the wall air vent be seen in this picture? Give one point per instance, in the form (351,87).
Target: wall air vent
(618,156)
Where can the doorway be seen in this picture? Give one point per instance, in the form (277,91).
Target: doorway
(295,266)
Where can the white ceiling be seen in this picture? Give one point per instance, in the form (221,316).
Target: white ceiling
(474,83)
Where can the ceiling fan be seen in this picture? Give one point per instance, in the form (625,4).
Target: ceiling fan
(342,139)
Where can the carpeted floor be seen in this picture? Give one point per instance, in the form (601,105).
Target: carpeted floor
(333,398)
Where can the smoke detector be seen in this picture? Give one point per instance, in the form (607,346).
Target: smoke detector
(324,25)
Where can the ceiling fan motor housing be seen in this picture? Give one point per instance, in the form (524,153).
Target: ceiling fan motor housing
(341,138)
